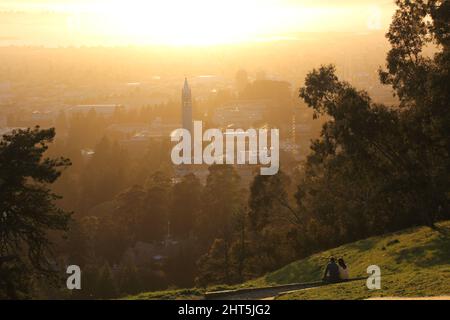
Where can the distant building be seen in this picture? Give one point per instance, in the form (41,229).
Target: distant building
(186,106)
(240,113)
(160,129)
(87,154)
(142,134)
(101,109)
(128,128)
(43,118)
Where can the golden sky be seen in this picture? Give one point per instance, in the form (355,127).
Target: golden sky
(187,22)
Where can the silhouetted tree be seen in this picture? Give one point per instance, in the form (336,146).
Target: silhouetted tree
(27,209)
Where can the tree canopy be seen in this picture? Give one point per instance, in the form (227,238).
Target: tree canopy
(27,208)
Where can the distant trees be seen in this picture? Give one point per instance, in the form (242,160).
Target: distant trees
(104,176)
(221,199)
(186,206)
(27,210)
(222,203)
(105,286)
(255,237)
(215,266)
(129,210)
(155,218)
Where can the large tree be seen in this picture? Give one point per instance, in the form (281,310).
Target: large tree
(418,68)
(27,209)
(378,168)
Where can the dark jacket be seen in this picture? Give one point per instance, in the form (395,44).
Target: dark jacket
(331,272)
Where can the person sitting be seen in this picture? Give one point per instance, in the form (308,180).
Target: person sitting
(331,271)
(343,270)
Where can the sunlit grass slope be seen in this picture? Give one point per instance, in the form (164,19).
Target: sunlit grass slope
(414,262)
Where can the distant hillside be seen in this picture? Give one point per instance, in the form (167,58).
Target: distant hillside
(414,263)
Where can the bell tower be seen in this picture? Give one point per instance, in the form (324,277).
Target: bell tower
(186,106)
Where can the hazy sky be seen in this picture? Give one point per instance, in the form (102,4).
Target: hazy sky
(184,22)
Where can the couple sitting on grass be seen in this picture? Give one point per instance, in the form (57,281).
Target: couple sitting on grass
(336,272)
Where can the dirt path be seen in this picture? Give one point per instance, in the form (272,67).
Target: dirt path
(265,293)
(258,293)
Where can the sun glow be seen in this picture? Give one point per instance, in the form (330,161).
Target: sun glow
(187,22)
(178,22)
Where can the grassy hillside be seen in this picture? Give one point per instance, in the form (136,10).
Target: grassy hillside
(413,262)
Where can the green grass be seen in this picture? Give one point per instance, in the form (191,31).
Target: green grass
(423,283)
(177,294)
(182,294)
(413,262)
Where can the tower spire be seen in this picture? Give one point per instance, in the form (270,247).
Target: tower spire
(186,89)
(186,106)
